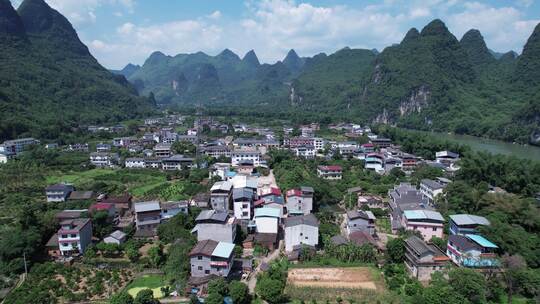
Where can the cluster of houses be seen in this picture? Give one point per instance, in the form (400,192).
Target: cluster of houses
(75,233)
(11,148)
(413,209)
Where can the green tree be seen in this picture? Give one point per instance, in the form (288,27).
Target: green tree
(469,284)
(218,286)
(155,254)
(214,298)
(395,250)
(239,292)
(269,289)
(145,296)
(121,298)
(184,147)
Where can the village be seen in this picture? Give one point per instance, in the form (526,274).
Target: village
(244,222)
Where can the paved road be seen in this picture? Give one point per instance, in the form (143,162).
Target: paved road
(267,259)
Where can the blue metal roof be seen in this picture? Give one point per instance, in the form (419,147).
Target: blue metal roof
(423,214)
(267,212)
(223,250)
(480,240)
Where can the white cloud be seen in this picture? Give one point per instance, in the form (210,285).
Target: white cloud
(126,28)
(272,27)
(215,15)
(504,28)
(84,11)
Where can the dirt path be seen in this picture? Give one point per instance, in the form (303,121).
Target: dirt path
(252,282)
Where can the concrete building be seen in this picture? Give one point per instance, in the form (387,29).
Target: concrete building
(117,237)
(241,155)
(360,221)
(135,163)
(329,172)
(300,231)
(170,209)
(243,203)
(464,224)
(429,223)
(176,162)
(422,259)
(215,225)
(472,250)
(220,196)
(74,236)
(431,189)
(210,257)
(104,159)
(147,218)
(267,220)
(16,146)
(299,201)
(58,192)
(162,150)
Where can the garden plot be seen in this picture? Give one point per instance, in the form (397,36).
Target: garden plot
(353,277)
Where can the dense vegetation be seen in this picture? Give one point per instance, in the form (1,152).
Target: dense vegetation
(430,81)
(49,82)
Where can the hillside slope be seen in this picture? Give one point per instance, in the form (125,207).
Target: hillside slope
(49,81)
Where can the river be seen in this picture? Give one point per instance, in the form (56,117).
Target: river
(494,146)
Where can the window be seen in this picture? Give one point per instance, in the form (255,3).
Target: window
(207,271)
(434,267)
(434,228)
(64,236)
(306,237)
(65,244)
(200,267)
(73,235)
(199,257)
(301,234)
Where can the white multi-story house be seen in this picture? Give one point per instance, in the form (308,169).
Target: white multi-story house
(58,192)
(135,162)
(3,158)
(217,151)
(318,143)
(299,201)
(74,236)
(17,146)
(243,155)
(330,172)
(431,189)
(215,225)
(304,151)
(301,231)
(103,159)
(267,220)
(162,150)
(243,203)
(210,257)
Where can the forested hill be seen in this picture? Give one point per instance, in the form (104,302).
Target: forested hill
(430,81)
(49,81)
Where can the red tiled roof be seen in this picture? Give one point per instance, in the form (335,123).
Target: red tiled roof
(294,192)
(368,145)
(330,168)
(102,206)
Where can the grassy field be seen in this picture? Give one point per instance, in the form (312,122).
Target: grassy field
(150,281)
(137,182)
(352,284)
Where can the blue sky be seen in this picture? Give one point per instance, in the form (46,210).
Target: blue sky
(123,31)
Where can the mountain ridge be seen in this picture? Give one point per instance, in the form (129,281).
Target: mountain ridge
(50,83)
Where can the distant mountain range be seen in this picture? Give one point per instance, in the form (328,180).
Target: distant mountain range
(49,81)
(430,81)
